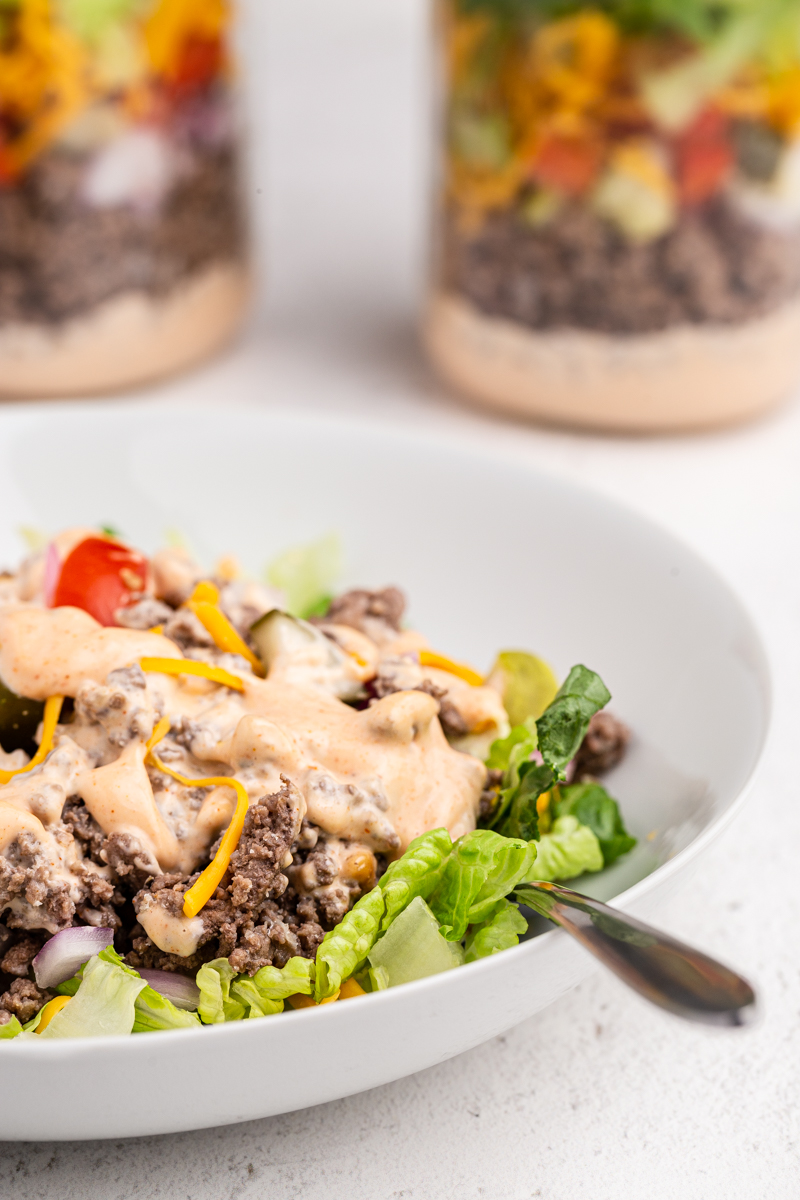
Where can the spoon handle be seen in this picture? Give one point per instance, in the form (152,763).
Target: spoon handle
(661,969)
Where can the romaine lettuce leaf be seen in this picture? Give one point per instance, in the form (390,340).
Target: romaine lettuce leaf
(103,1005)
(592,805)
(216,1003)
(412,948)
(11,1029)
(264,994)
(557,735)
(563,726)
(417,873)
(522,814)
(568,850)
(155,1012)
(306,575)
(344,950)
(483,867)
(499,931)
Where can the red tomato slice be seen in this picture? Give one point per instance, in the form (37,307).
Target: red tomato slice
(567,164)
(100,576)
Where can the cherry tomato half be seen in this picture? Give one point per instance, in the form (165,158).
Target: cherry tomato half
(100,576)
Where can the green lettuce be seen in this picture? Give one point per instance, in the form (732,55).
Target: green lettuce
(563,725)
(104,1003)
(557,735)
(155,1012)
(344,950)
(306,575)
(216,1002)
(264,994)
(417,873)
(483,867)
(592,805)
(499,931)
(11,1029)
(413,948)
(568,850)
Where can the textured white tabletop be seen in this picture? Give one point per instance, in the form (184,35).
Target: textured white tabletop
(598,1097)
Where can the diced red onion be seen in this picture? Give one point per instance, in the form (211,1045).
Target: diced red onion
(182,991)
(61,956)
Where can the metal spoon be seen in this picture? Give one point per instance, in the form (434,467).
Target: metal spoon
(665,971)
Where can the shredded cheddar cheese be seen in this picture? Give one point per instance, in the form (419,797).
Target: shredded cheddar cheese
(428,659)
(50,1010)
(52,711)
(348,991)
(188,666)
(201,892)
(204,603)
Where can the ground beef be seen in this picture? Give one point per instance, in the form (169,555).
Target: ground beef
(401,675)
(60,257)
(23,1000)
(145,614)
(120,706)
(361,609)
(83,827)
(17,960)
(490,795)
(603,747)
(249,919)
(579,272)
(25,874)
(131,865)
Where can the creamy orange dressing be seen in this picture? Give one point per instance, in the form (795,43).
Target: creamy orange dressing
(377,777)
(52,651)
(172,934)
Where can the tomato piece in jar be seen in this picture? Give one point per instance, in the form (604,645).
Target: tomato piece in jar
(101,576)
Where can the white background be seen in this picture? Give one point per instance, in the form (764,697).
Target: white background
(598,1097)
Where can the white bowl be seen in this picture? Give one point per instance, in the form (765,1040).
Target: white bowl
(492,555)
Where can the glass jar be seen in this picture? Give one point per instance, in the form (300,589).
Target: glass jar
(618,226)
(122,239)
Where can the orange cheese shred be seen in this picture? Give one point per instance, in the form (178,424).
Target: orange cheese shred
(50,1010)
(201,892)
(204,603)
(188,666)
(428,659)
(52,711)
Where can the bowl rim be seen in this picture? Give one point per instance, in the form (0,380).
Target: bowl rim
(464,442)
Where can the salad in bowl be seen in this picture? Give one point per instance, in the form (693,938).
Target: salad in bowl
(222,798)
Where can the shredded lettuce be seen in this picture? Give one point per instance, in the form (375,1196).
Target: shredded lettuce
(155,1012)
(483,866)
(264,994)
(413,948)
(104,1003)
(499,931)
(306,575)
(216,1003)
(592,805)
(11,1029)
(568,850)
(417,873)
(344,950)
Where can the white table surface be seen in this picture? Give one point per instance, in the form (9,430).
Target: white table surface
(598,1097)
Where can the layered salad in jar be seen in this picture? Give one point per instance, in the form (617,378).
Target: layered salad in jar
(122,238)
(619,226)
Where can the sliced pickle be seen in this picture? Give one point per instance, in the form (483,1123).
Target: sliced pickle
(19,718)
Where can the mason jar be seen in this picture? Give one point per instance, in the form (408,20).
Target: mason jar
(123,248)
(617,237)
